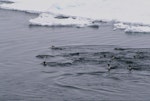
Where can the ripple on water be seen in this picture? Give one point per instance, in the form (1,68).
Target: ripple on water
(84,69)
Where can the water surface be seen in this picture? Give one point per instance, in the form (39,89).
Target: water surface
(75,73)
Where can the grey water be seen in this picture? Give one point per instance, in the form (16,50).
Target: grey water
(77,69)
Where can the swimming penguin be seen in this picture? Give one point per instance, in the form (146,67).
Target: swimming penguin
(136,56)
(44,63)
(109,67)
(113,57)
(56,48)
(130,68)
(52,46)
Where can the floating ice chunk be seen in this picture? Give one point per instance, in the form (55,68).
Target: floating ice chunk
(50,20)
(138,29)
(133,28)
(120,26)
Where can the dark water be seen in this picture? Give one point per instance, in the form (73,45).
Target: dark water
(75,71)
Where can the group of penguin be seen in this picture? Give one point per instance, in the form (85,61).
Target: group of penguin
(109,67)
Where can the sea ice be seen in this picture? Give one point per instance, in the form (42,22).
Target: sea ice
(130,12)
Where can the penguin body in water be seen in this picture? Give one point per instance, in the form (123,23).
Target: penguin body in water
(44,63)
(109,67)
(130,68)
(56,48)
